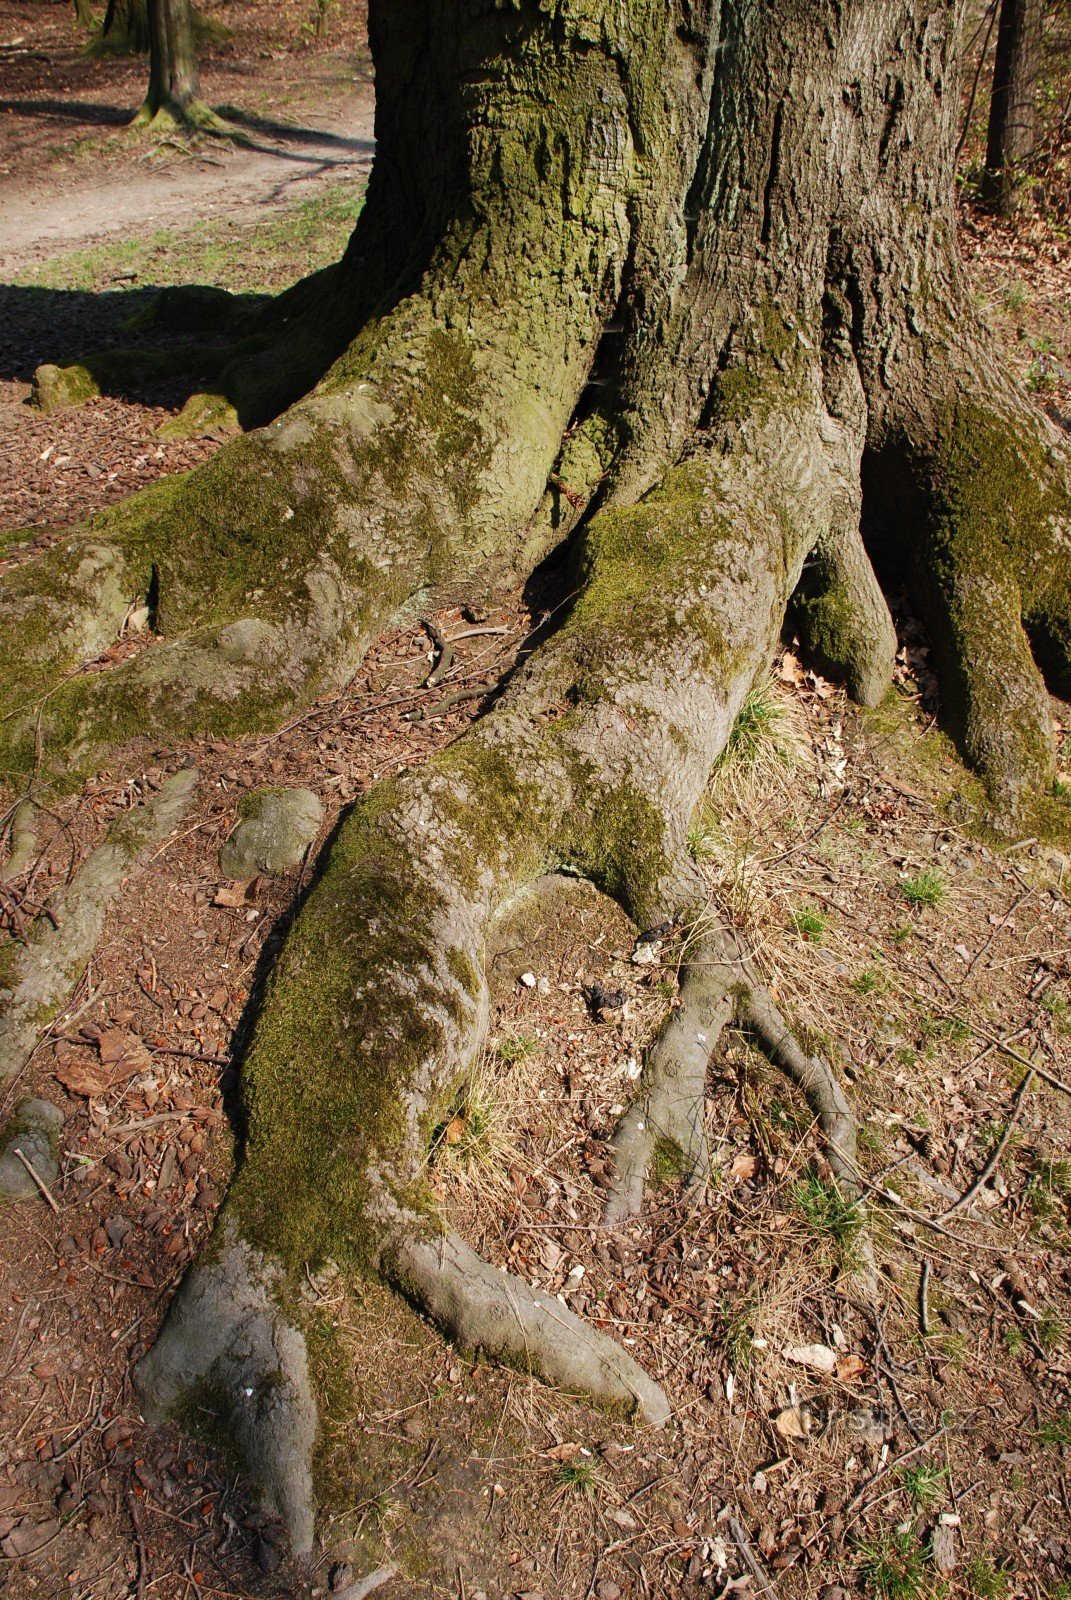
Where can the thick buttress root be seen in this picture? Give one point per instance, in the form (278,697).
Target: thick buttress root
(767,359)
(593,759)
(497,1313)
(227,1340)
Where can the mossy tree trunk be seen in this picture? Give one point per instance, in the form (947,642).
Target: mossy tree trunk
(1012,136)
(675,283)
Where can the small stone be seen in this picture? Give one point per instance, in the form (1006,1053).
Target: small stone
(34,1129)
(250,641)
(277,827)
(943,1547)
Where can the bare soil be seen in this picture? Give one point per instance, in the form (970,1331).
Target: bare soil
(925,1450)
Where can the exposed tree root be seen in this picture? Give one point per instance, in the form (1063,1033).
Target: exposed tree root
(668,1120)
(665,1129)
(497,1313)
(228,1341)
(191,117)
(793,326)
(42,973)
(814,1076)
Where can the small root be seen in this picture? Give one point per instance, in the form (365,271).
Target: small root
(718,983)
(45,969)
(821,1090)
(830,1107)
(671,1113)
(492,1311)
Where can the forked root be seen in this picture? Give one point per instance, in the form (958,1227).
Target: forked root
(717,984)
(814,1076)
(671,1114)
(226,1338)
(497,1313)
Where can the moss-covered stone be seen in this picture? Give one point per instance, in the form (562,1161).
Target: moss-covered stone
(277,827)
(34,1130)
(55,388)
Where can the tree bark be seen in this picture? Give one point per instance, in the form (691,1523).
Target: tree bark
(1012,137)
(675,284)
(173,98)
(126,27)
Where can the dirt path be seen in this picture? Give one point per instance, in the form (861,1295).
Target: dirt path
(281,164)
(71,172)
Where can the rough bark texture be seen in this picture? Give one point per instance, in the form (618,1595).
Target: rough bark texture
(677,283)
(1012,137)
(174,83)
(126,27)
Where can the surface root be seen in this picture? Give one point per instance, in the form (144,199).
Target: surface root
(492,1311)
(665,1127)
(226,1338)
(45,969)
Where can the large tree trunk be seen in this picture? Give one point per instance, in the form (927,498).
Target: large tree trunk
(676,283)
(1012,137)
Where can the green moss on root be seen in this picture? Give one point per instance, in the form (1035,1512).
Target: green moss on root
(617,838)
(332,1056)
(997,552)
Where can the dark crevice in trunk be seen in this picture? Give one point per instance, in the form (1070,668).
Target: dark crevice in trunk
(774,173)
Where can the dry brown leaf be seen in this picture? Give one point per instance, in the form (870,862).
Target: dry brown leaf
(122,1056)
(743,1167)
(623,1520)
(819,1357)
(86,1078)
(793,1423)
(234,897)
(849,1368)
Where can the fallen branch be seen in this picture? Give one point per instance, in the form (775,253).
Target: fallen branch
(750,1559)
(37,1178)
(445,649)
(1002,1144)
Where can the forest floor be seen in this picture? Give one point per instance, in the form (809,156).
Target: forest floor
(818,1447)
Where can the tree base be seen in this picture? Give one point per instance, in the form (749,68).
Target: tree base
(193,117)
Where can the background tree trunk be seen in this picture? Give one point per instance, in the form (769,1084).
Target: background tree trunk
(1012,137)
(126,27)
(174,84)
